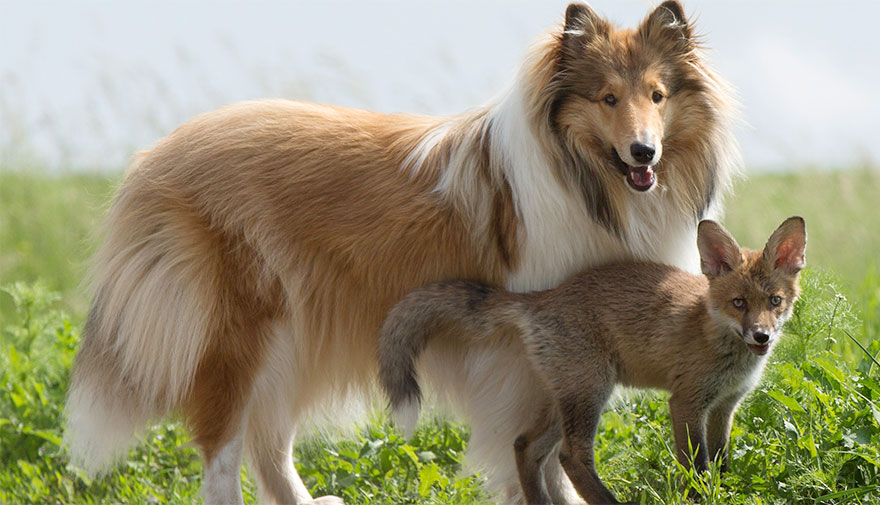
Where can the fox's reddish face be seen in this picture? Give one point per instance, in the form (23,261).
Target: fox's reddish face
(620,87)
(753,292)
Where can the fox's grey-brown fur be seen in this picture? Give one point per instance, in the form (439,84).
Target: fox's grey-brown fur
(703,338)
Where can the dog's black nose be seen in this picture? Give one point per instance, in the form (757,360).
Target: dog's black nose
(761,338)
(643,153)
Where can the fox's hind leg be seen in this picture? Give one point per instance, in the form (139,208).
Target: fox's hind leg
(580,410)
(558,484)
(532,450)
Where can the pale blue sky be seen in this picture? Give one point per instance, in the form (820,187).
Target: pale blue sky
(86,83)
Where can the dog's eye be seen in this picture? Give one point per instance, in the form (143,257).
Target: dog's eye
(739,303)
(775,300)
(610,99)
(657,97)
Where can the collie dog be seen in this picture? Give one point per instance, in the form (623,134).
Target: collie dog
(250,256)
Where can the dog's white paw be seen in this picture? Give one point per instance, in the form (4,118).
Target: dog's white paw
(326,500)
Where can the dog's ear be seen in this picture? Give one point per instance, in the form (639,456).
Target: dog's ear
(668,27)
(582,24)
(719,252)
(580,19)
(787,246)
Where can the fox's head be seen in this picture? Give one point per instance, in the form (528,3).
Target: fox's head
(619,88)
(753,292)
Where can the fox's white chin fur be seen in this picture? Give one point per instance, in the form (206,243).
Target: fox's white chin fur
(250,258)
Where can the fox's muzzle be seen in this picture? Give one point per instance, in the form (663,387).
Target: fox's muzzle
(758,339)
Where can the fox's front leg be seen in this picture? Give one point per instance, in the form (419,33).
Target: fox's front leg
(689,428)
(718,429)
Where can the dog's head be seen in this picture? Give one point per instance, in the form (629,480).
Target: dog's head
(618,88)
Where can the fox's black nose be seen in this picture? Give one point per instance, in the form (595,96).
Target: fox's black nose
(643,153)
(761,338)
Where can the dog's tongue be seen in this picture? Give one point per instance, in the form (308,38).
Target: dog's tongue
(642,176)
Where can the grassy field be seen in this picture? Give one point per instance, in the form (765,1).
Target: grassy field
(810,433)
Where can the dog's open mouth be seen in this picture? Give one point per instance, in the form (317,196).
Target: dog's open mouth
(759,349)
(639,178)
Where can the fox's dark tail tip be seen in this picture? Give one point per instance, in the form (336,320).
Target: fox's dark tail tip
(401,386)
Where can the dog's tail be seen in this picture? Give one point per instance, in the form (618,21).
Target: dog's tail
(473,310)
(154,309)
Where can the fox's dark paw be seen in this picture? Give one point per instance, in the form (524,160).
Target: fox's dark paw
(694,496)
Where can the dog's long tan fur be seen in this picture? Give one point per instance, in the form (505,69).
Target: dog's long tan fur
(250,256)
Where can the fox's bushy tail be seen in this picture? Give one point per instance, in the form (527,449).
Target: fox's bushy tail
(472,309)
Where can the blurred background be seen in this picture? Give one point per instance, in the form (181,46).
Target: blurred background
(83,84)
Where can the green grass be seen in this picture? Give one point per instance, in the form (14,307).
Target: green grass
(48,227)
(842,211)
(809,434)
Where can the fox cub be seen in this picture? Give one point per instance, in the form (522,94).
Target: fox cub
(703,338)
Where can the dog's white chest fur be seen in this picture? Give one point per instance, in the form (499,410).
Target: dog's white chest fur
(559,236)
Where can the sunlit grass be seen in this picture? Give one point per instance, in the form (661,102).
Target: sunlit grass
(810,433)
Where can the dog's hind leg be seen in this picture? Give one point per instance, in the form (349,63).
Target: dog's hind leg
(222,482)
(275,411)
(270,435)
(270,450)
(218,403)
(217,414)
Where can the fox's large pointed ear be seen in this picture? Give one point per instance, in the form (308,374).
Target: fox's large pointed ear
(719,252)
(787,246)
(581,25)
(668,27)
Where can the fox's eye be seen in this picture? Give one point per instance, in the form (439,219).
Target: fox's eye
(610,99)
(739,303)
(775,300)
(657,97)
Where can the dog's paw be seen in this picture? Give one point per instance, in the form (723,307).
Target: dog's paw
(326,500)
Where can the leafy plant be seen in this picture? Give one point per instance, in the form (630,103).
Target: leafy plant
(382,467)
(808,434)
